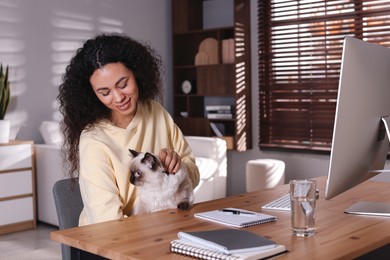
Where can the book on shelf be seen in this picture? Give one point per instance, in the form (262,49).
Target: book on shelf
(236,217)
(218,129)
(219,116)
(225,244)
(219,111)
(218,107)
(228,50)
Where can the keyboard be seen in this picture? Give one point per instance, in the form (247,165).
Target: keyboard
(281,203)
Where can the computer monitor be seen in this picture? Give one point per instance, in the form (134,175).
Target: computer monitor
(361,127)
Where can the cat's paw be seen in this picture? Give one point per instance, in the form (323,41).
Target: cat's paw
(184,205)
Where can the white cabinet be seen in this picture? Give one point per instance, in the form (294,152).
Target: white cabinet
(17,187)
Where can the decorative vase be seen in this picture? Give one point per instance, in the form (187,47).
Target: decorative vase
(5,127)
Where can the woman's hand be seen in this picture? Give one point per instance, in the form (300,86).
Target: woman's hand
(170,160)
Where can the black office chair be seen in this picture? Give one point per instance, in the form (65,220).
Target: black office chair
(69,205)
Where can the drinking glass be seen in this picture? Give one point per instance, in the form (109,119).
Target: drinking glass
(303,203)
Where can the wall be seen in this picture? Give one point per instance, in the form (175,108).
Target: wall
(37,39)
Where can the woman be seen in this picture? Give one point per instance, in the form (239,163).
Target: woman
(107,100)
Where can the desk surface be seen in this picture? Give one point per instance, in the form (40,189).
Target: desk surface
(338,235)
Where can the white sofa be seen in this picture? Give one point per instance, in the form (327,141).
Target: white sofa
(210,156)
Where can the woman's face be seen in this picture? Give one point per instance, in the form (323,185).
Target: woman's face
(116,88)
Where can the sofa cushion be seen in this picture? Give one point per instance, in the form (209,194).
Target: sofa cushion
(50,131)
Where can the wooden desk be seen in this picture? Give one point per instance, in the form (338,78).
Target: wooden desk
(338,235)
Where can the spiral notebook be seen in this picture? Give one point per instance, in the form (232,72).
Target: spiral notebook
(185,248)
(236,217)
(227,241)
(232,244)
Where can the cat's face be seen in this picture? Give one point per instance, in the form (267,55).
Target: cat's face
(145,169)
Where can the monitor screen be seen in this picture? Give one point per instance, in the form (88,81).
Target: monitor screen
(360,141)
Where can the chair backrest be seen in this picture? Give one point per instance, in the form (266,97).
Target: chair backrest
(264,174)
(69,205)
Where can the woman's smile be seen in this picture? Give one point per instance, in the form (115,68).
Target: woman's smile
(124,106)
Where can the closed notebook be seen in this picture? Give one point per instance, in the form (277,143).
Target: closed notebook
(181,247)
(227,241)
(236,220)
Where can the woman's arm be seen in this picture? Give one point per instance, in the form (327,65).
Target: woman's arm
(98,185)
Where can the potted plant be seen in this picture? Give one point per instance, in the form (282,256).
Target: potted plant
(5,125)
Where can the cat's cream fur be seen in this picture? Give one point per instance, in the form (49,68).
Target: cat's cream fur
(159,190)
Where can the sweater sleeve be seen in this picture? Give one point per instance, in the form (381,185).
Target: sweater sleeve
(98,184)
(171,136)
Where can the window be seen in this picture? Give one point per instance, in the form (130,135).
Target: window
(300,48)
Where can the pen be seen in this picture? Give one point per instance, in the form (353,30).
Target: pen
(237,212)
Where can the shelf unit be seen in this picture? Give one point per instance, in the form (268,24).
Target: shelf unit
(217,83)
(17,187)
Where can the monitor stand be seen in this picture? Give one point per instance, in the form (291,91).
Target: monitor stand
(373,208)
(386,124)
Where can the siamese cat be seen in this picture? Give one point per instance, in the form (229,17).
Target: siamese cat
(158,189)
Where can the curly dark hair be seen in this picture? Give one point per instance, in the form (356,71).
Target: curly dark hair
(79,105)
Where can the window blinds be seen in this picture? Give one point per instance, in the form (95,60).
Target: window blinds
(300,48)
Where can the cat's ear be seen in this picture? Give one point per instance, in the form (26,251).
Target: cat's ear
(149,159)
(133,152)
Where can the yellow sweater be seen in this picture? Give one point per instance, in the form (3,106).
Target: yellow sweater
(105,160)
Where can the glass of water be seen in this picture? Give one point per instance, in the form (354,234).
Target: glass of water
(303,203)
